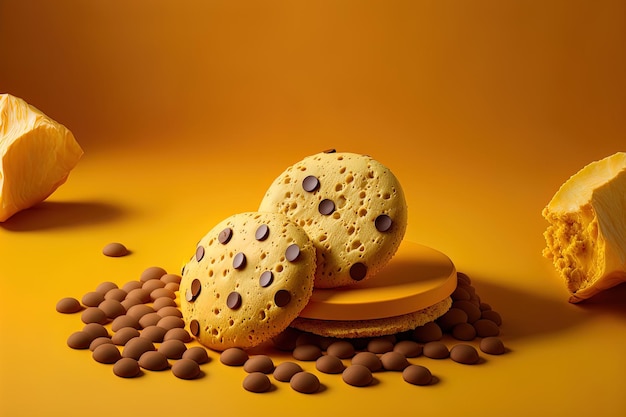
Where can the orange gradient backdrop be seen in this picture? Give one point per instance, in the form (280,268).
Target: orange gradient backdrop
(188,109)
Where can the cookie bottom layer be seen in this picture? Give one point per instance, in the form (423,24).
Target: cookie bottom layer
(374,327)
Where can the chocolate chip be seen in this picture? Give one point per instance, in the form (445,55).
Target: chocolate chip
(153,272)
(135,312)
(112,308)
(292,253)
(436,350)
(310,183)
(171,322)
(153,361)
(199,253)
(115,249)
(233,301)
(125,321)
(357,375)
(196,287)
(150,319)
(383,223)
(257,382)
(197,354)
(259,363)
(153,333)
(262,232)
(492,345)
(92,299)
(286,370)
(465,354)
(225,235)
(305,383)
(127,368)
(492,315)
(186,369)
(167,278)
(239,261)
(486,328)
(173,349)
(96,330)
(408,348)
(136,347)
(329,364)
(99,341)
(417,375)
(266,278)
(282,298)
(79,340)
(394,361)
(464,331)
(194,327)
(428,332)
(369,360)
(162,292)
(94,315)
(380,345)
(341,349)
(177,333)
(358,271)
(331,150)
(68,305)
(307,352)
(234,356)
(106,286)
(326,207)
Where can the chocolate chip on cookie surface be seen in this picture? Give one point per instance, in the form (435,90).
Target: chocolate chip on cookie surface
(351,206)
(250,276)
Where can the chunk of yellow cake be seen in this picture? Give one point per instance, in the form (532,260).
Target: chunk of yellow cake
(36,155)
(586,237)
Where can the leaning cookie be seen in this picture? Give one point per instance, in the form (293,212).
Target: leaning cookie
(374,327)
(251,275)
(351,206)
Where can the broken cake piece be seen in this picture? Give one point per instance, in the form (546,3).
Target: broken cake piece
(36,155)
(586,236)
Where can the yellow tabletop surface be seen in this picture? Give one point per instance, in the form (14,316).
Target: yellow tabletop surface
(187,110)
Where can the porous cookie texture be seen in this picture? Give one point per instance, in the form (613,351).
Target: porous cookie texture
(351,206)
(373,328)
(250,276)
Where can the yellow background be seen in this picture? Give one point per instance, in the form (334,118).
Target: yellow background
(188,109)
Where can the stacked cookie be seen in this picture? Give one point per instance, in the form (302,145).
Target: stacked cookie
(330,221)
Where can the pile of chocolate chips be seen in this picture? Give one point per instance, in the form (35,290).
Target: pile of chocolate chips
(357,360)
(148,332)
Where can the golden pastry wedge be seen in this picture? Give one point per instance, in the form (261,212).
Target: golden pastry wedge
(36,155)
(586,237)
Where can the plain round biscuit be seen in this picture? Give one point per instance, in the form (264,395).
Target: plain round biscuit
(372,328)
(225,302)
(360,189)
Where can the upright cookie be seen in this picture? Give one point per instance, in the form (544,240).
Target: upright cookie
(250,277)
(351,206)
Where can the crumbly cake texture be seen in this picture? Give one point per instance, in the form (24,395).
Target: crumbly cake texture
(351,206)
(373,328)
(250,276)
(36,155)
(586,236)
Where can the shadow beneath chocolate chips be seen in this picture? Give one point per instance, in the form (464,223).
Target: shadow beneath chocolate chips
(528,315)
(62,214)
